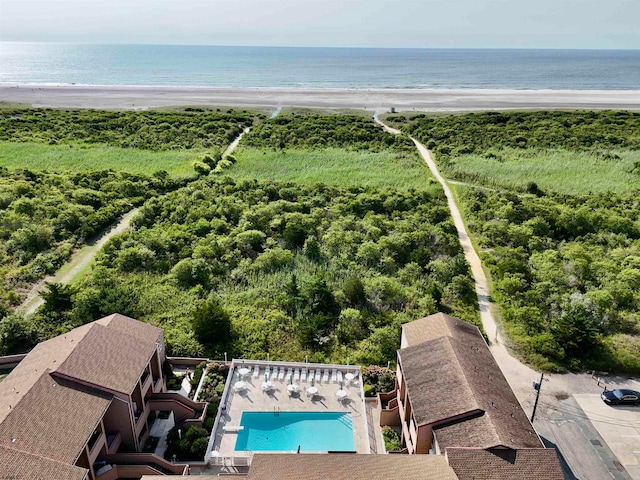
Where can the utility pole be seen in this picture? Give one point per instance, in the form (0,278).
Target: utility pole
(536,386)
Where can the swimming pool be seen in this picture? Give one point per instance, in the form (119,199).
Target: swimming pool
(285,431)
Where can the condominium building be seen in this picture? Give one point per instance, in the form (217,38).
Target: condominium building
(79,405)
(451,398)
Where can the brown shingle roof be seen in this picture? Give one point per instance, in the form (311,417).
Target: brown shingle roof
(349,467)
(109,358)
(130,326)
(501,464)
(455,375)
(54,352)
(45,355)
(54,419)
(434,378)
(428,328)
(478,432)
(24,466)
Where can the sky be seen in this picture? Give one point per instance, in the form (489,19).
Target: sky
(600,24)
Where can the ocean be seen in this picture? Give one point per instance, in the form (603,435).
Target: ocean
(293,67)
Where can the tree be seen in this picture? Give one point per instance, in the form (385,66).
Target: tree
(16,335)
(57,296)
(211,323)
(354,291)
(319,299)
(58,302)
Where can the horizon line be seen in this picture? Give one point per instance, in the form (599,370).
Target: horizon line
(361,47)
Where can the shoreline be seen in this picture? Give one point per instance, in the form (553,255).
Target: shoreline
(403,100)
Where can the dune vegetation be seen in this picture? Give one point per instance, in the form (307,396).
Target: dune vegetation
(552,200)
(253,258)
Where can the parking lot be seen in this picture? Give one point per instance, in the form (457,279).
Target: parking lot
(619,426)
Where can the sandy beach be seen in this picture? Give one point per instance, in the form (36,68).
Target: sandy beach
(135,97)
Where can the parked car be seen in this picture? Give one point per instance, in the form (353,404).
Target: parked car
(621,396)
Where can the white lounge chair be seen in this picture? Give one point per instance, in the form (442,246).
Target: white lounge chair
(303,375)
(334,376)
(318,375)
(274,374)
(281,374)
(296,375)
(325,376)
(256,371)
(289,374)
(339,376)
(267,371)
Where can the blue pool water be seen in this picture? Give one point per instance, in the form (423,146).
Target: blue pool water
(312,431)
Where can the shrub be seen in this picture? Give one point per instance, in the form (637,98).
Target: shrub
(174,382)
(391,439)
(192,446)
(380,379)
(201,168)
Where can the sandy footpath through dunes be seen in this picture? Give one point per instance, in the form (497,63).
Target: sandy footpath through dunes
(519,375)
(133,97)
(79,260)
(83,257)
(559,419)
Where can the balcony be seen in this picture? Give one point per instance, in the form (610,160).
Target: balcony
(95,444)
(157,385)
(388,400)
(94,439)
(114,439)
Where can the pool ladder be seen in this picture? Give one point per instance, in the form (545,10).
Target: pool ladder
(276,411)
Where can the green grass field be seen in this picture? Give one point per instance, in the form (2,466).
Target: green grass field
(81,158)
(562,171)
(334,166)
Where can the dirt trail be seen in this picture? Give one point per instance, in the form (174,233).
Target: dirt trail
(79,260)
(82,257)
(559,421)
(519,375)
(232,146)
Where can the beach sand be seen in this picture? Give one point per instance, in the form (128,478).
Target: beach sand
(126,97)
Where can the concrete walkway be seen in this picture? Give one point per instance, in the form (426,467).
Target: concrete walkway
(185,387)
(160,428)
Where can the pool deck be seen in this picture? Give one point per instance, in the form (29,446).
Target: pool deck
(252,398)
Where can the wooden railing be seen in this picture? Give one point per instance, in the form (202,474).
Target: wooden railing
(11,361)
(148,460)
(179,404)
